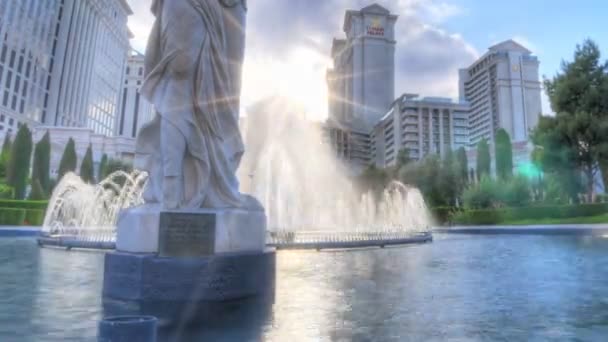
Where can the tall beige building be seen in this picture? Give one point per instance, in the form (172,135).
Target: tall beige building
(362,81)
(504,91)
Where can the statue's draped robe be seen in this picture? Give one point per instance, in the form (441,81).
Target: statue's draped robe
(188,82)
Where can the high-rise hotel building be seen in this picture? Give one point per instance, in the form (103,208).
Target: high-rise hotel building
(362,81)
(62,62)
(504,91)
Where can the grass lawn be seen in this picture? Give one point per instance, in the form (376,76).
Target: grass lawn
(573,220)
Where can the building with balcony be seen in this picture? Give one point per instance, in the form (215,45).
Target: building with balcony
(420,126)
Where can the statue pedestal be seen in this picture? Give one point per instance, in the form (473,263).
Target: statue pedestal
(182,266)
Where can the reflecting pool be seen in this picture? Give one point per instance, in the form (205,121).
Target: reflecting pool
(459,287)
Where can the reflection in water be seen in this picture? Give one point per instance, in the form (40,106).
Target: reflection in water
(458,288)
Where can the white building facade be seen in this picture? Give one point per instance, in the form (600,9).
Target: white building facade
(63,62)
(421,126)
(114,147)
(28,45)
(504,91)
(134,109)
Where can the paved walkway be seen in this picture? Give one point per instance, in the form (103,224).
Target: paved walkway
(548,229)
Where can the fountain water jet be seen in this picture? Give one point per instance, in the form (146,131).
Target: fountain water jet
(305,188)
(309,195)
(89,212)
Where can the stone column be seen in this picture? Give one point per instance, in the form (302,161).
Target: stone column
(441,138)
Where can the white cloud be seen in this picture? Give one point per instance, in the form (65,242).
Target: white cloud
(427,57)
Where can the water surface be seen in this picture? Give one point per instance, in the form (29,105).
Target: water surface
(458,288)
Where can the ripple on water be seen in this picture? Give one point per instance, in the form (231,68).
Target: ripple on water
(461,288)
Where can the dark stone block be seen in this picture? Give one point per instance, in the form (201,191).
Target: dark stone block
(168,288)
(186,234)
(128,329)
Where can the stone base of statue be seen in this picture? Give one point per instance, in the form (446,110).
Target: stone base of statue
(184,266)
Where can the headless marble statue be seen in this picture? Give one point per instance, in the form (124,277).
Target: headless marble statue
(193,146)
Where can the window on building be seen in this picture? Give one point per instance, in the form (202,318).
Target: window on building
(9,79)
(3,55)
(12,60)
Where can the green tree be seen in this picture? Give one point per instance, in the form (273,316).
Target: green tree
(484,194)
(42,163)
(87,172)
(503,152)
(37,193)
(115,165)
(5,156)
(68,159)
(463,165)
(426,175)
(517,191)
(448,181)
(374,179)
(103,166)
(577,137)
(483,159)
(403,158)
(19,164)
(561,155)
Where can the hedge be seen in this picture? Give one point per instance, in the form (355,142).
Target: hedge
(495,216)
(41,205)
(16,213)
(34,217)
(12,216)
(443,215)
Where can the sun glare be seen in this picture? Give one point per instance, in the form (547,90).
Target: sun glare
(300,77)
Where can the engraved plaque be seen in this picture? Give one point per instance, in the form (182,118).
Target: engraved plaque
(186,234)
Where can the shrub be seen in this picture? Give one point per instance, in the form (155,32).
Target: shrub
(12,216)
(496,216)
(483,195)
(443,215)
(555,191)
(479,217)
(23,204)
(6,192)
(517,192)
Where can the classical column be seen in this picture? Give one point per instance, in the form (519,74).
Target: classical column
(441,129)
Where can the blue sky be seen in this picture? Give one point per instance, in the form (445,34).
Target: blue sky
(552,29)
(289,41)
